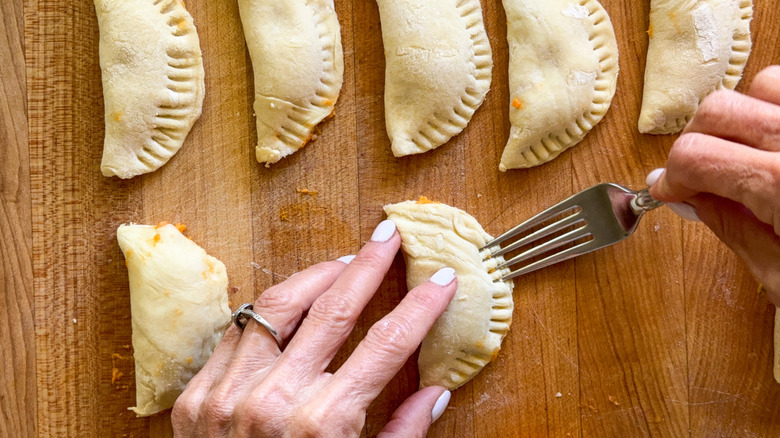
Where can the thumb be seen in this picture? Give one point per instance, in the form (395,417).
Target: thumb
(417,413)
(754,241)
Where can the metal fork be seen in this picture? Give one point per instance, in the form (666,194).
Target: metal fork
(604,215)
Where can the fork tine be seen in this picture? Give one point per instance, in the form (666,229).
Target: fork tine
(546,231)
(552,259)
(550,245)
(551,212)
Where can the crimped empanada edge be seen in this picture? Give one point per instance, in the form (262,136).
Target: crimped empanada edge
(172,123)
(468,363)
(442,126)
(740,52)
(289,139)
(553,144)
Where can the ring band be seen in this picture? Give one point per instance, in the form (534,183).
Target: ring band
(245,312)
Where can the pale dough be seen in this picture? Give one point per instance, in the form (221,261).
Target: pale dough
(696,47)
(469,333)
(153,82)
(438,70)
(563,67)
(298,64)
(179,308)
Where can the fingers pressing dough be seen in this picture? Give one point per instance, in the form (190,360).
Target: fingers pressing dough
(469,333)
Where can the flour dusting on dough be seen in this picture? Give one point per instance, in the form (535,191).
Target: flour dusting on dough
(576,11)
(579,77)
(706,33)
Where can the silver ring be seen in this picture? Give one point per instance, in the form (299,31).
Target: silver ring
(245,312)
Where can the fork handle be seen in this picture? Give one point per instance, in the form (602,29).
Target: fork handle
(644,202)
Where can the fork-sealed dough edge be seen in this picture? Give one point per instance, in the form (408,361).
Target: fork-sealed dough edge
(153,82)
(563,67)
(179,309)
(696,47)
(298,64)
(469,333)
(438,70)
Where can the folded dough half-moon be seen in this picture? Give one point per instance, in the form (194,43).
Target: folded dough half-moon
(563,67)
(179,308)
(438,70)
(469,333)
(152,82)
(696,47)
(298,64)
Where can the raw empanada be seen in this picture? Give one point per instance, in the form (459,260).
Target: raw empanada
(179,308)
(563,67)
(469,333)
(439,67)
(696,47)
(152,82)
(295,46)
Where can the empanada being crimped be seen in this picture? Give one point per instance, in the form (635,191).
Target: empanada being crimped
(696,47)
(298,64)
(563,67)
(469,333)
(179,309)
(438,70)
(152,82)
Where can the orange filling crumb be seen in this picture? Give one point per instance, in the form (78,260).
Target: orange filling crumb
(116,115)
(156,239)
(517,103)
(650,30)
(161,224)
(115,375)
(425,200)
(307,192)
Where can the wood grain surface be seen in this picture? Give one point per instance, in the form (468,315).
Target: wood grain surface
(662,335)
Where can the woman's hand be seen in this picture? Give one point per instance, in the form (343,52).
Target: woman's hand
(727,165)
(250,387)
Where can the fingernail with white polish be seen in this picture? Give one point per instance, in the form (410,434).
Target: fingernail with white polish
(443,276)
(440,406)
(653,176)
(346,259)
(685,211)
(384,231)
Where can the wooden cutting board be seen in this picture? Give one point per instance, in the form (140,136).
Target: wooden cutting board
(662,335)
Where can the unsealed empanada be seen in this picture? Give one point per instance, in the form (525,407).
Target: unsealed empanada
(295,46)
(696,47)
(152,82)
(469,333)
(563,67)
(438,70)
(179,309)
